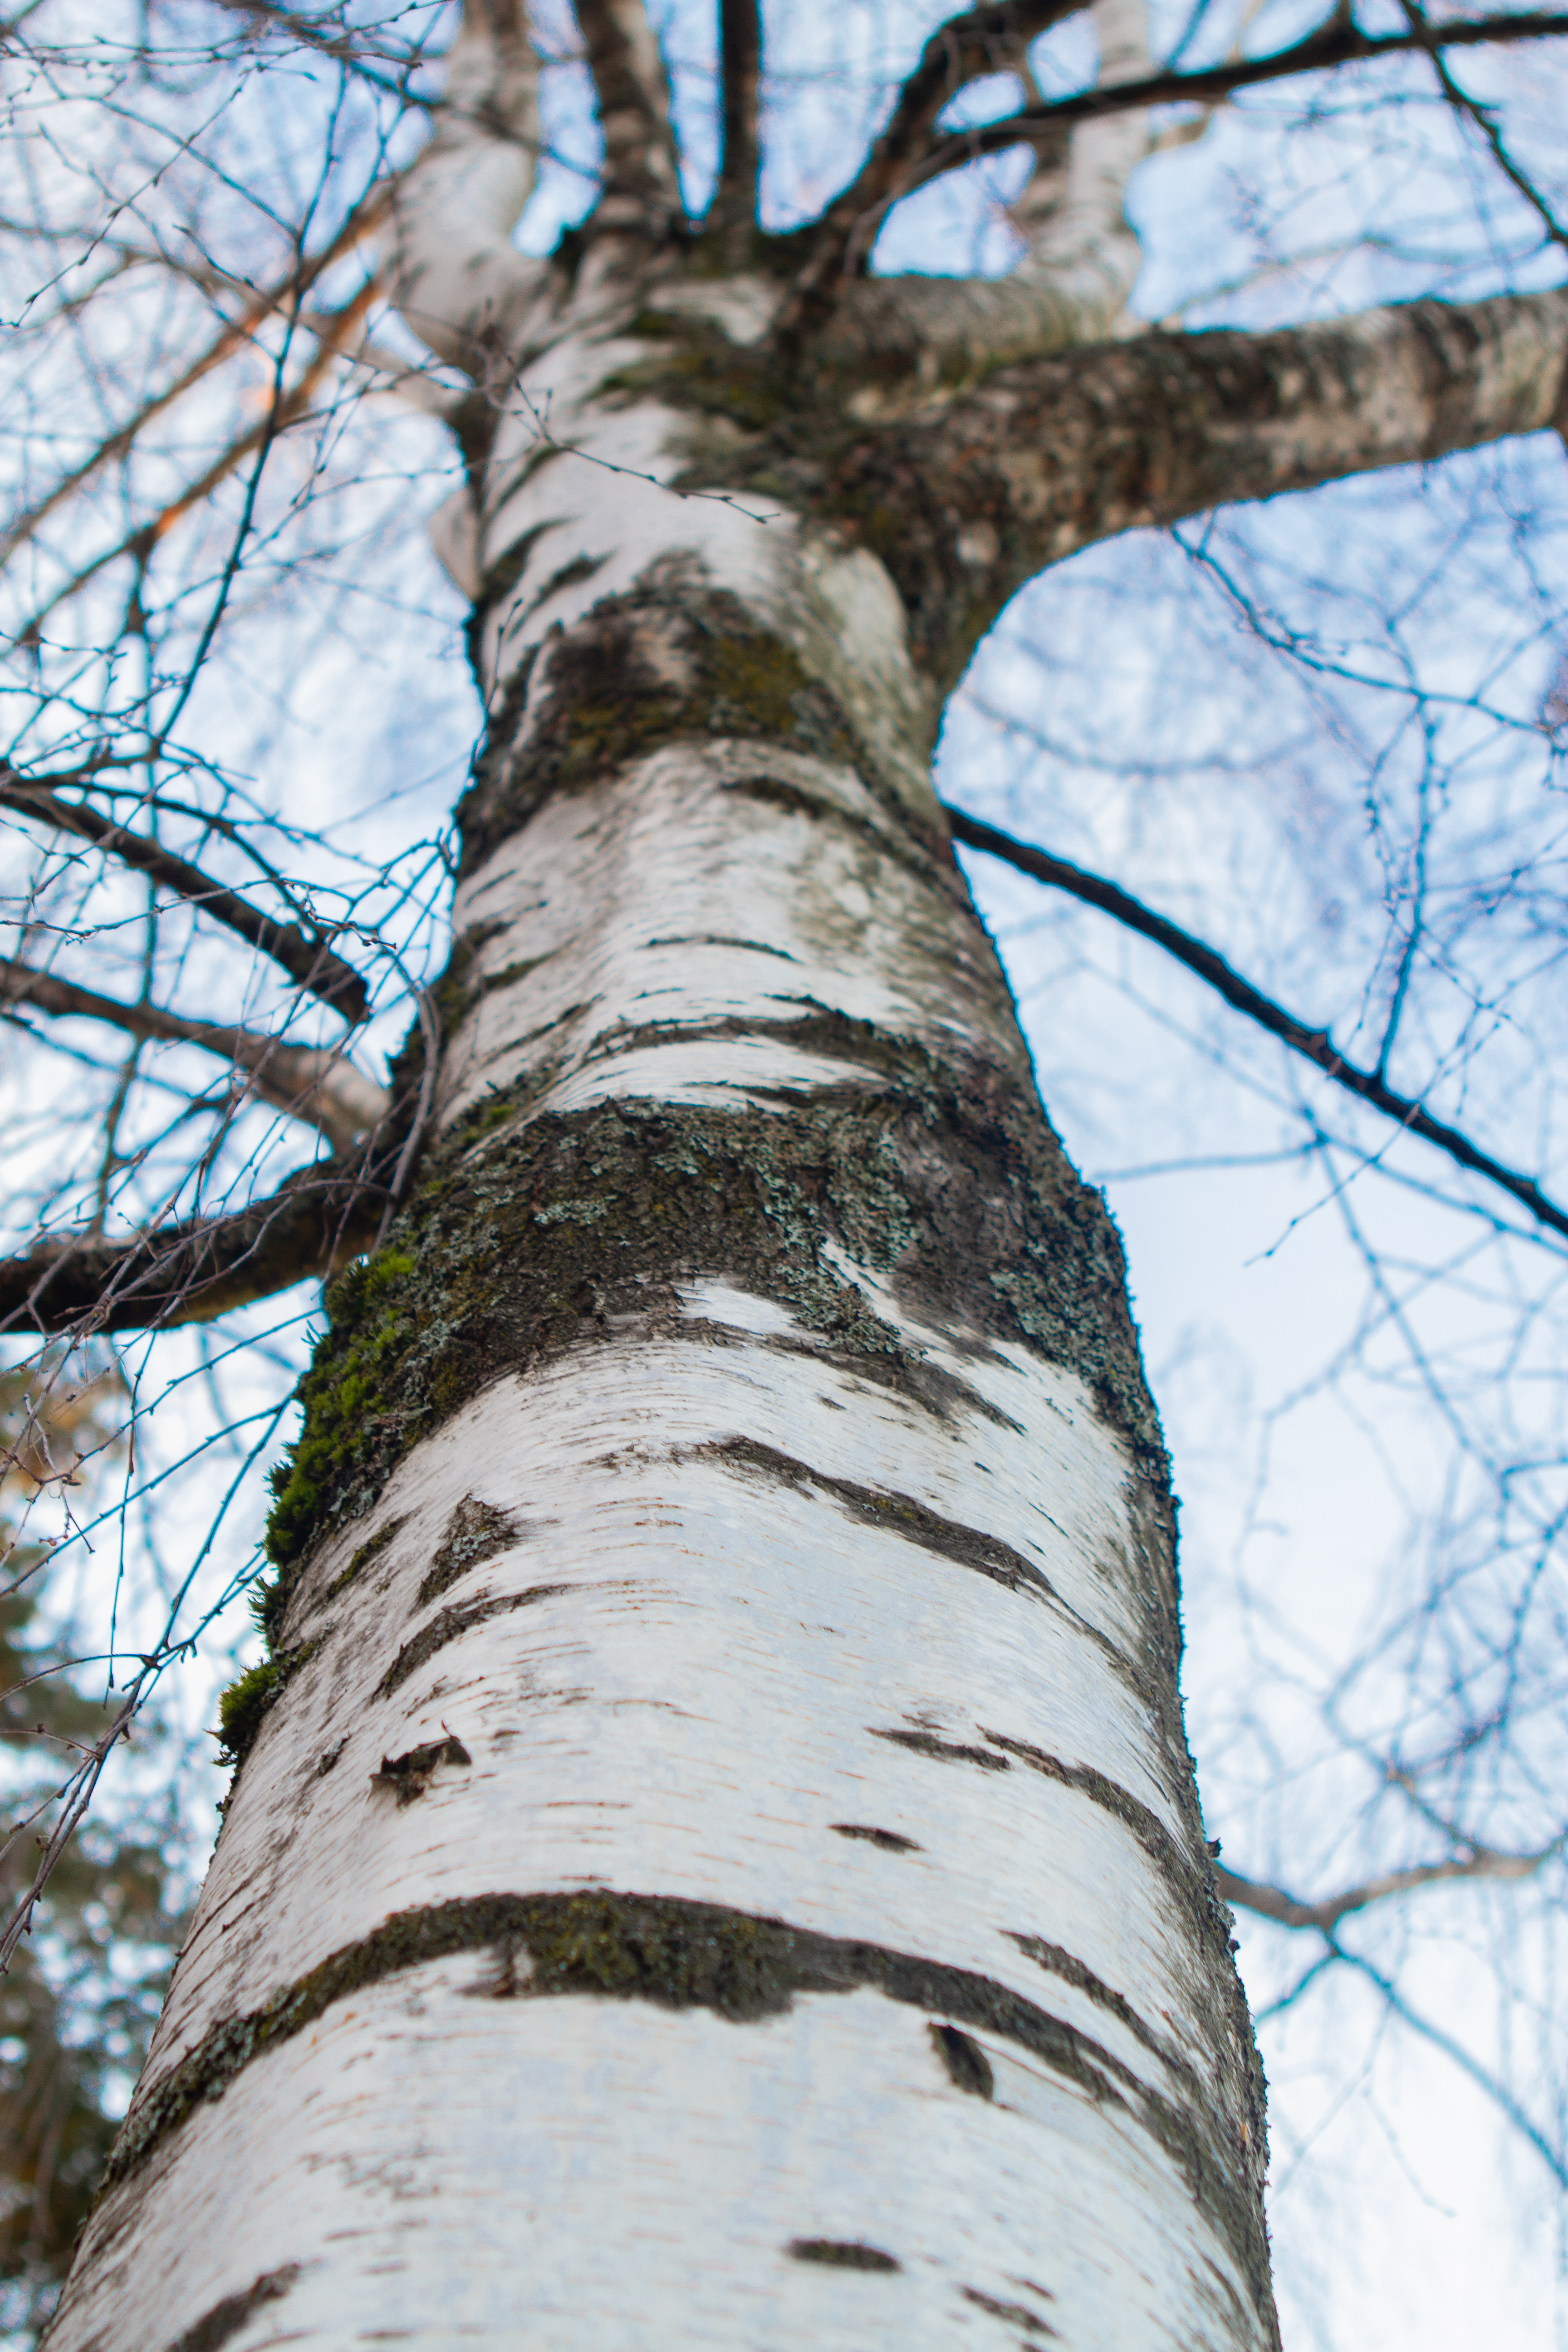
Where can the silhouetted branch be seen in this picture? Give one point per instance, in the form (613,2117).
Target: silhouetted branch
(735,211)
(1313,1045)
(310,962)
(190,1271)
(642,176)
(1429,36)
(1338,42)
(308,1084)
(1288,1911)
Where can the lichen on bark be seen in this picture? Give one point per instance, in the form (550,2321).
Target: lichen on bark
(530,1235)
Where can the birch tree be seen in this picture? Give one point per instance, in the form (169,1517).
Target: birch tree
(714,1853)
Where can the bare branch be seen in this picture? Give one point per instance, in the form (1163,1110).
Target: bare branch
(334,331)
(322,1088)
(982,40)
(270,14)
(308,961)
(282,297)
(1313,1045)
(1481,116)
(734,210)
(1287,1911)
(642,180)
(1479,2074)
(1338,42)
(190,1271)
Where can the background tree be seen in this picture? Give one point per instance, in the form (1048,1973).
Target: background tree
(1455,1743)
(78,2006)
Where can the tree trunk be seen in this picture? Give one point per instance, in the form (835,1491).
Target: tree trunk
(716,1859)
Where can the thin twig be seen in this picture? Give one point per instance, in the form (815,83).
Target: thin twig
(1288,1911)
(1429,36)
(1337,43)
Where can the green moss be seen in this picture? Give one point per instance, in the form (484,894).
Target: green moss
(371,1324)
(243,1705)
(674,659)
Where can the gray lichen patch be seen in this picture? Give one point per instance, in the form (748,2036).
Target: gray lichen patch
(679,1953)
(527,1239)
(475,1532)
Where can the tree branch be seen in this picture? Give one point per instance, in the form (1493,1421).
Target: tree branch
(459,279)
(1312,1044)
(310,962)
(733,214)
(1050,455)
(1338,42)
(642,180)
(321,1089)
(190,1271)
(982,40)
(1285,1911)
(1481,116)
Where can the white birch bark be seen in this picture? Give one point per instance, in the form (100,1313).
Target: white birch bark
(719,1863)
(758,1625)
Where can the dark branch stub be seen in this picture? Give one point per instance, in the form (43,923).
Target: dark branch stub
(735,211)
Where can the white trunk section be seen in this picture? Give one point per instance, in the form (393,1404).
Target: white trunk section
(764,1630)
(680,1679)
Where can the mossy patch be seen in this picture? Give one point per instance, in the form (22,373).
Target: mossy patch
(369,1311)
(527,1239)
(672,660)
(245,1706)
(242,1705)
